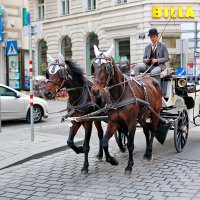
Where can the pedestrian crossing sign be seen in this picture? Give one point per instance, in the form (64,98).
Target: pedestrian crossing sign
(11,48)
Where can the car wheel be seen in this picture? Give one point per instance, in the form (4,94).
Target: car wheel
(37,114)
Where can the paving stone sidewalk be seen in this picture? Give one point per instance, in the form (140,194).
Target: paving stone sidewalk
(17,147)
(57,177)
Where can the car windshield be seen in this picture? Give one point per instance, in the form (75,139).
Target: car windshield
(6,92)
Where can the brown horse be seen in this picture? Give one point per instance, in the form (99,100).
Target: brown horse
(127,103)
(67,74)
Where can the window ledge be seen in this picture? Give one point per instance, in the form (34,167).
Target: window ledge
(90,10)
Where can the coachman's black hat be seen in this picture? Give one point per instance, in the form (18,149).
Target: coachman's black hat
(153,31)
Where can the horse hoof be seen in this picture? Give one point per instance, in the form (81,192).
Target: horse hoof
(99,157)
(80,149)
(128,172)
(123,150)
(84,172)
(112,161)
(148,157)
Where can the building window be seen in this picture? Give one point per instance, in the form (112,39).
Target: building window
(42,57)
(66,47)
(120,1)
(64,7)
(122,54)
(40,9)
(92,40)
(175,58)
(91,4)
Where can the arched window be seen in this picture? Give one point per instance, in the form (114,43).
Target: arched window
(42,57)
(66,47)
(92,40)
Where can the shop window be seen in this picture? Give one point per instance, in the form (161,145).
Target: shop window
(122,54)
(40,9)
(91,4)
(42,57)
(92,40)
(175,58)
(120,1)
(66,47)
(64,7)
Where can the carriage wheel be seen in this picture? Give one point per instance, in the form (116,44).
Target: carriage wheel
(181,130)
(121,136)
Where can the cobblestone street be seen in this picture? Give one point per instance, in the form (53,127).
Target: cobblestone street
(58,177)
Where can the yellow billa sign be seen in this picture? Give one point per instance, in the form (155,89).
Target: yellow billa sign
(173,12)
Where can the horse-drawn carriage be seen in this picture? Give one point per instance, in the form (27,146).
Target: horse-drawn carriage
(135,100)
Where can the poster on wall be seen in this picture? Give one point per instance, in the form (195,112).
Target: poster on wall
(14,72)
(190,68)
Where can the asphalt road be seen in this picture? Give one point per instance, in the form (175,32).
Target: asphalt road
(170,176)
(52,125)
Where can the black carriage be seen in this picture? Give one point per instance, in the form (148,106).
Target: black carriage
(180,106)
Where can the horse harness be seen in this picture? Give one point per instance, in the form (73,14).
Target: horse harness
(118,103)
(70,106)
(122,103)
(80,107)
(62,73)
(109,68)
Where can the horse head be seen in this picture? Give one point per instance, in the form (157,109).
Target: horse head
(102,68)
(57,75)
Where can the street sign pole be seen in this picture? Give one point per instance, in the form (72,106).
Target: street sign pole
(181,44)
(31,82)
(195,50)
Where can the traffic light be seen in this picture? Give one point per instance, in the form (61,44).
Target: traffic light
(26,17)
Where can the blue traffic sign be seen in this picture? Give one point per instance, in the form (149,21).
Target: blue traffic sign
(11,48)
(181,72)
(1,30)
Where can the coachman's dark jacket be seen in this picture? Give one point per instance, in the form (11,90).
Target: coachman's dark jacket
(161,54)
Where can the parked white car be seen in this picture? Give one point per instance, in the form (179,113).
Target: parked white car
(16,105)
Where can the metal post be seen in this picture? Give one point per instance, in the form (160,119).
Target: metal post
(0,112)
(1,54)
(195,50)
(181,43)
(31,81)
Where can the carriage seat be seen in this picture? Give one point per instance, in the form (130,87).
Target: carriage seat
(193,80)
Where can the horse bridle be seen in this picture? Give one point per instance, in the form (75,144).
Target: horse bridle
(63,74)
(109,69)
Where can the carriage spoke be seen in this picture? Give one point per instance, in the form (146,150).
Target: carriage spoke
(181,130)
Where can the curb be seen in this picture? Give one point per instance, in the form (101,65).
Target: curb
(40,155)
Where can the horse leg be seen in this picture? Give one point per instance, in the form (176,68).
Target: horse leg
(111,129)
(100,135)
(120,145)
(152,127)
(86,146)
(70,141)
(130,146)
(148,153)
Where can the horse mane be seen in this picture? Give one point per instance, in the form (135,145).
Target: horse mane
(76,71)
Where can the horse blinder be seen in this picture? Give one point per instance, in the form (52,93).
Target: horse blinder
(47,75)
(63,73)
(109,69)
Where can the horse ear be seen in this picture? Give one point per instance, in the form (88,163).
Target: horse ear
(61,58)
(50,59)
(96,51)
(109,52)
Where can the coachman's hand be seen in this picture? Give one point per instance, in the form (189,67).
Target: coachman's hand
(147,60)
(154,60)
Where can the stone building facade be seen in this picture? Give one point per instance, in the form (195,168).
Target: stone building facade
(11,75)
(73,26)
